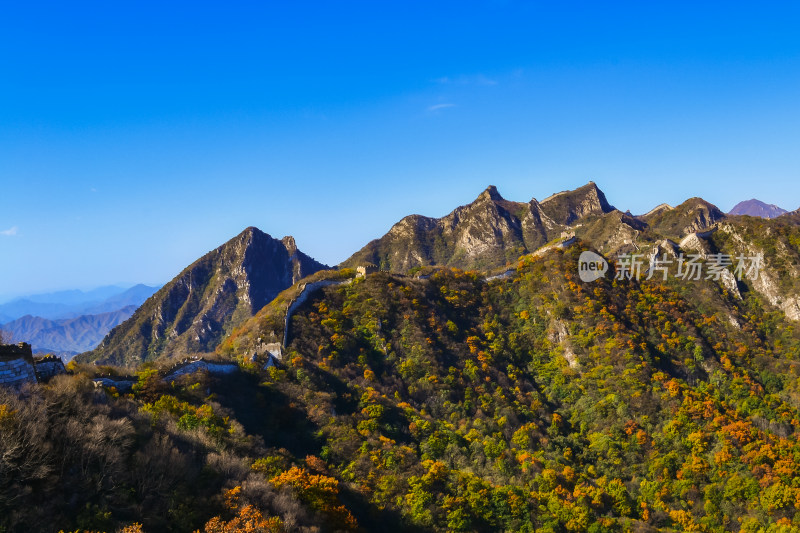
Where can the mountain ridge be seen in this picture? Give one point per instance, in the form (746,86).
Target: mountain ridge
(491,232)
(198,309)
(486,233)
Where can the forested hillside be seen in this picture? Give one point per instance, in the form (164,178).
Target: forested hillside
(534,402)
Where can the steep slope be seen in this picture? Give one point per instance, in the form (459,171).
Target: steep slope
(192,312)
(757,208)
(66,336)
(490,232)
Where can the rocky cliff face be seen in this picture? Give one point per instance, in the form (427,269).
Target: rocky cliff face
(210,297)
(487,233)
(775,242)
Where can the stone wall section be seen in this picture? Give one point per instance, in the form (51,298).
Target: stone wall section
(47,367)
(305,291)
(16,372)
(195,365)
(16,365)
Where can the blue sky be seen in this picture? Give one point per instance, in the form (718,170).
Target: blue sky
(136,136)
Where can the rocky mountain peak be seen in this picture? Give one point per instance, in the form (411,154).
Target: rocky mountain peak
(490,194)
(290,245)
(593,193)
(704,213)
(487,233)
(249,233)
(693,215)
(567,207)
(209,298)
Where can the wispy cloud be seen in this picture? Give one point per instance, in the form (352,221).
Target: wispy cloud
(477,79)
(439,107)
(10,232)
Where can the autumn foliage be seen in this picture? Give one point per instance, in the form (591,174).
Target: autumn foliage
(535,402)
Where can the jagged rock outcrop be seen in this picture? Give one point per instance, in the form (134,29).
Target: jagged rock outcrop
(487,233)
(696,242)
(777,278)
(207,300)
(558,335)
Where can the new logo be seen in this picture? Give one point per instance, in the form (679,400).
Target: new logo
(591,266)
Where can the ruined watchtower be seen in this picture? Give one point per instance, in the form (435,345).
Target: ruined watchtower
(16,364)
(363,270)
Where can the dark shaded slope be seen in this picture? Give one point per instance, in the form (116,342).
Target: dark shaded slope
(195,310)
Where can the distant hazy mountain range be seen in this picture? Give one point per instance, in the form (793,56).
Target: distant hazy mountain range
(66,336)
(70,322)
(74,303)
(757,208)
